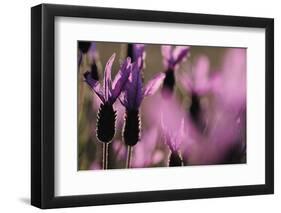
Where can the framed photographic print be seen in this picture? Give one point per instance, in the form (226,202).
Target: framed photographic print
(139,106)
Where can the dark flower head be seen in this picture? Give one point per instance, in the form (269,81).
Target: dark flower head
(175,159)
(106,123)
(109,92)
(94,71)
(172,57)
(132,126)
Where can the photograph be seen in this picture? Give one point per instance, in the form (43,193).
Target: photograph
(141,105)
(160,105)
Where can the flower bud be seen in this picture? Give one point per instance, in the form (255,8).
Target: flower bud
(169,80)
(131,131)
(175,159)
(106,123)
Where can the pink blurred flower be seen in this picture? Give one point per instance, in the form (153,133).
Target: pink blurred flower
(230,88)
(199,81)
(172,57)
(225,139)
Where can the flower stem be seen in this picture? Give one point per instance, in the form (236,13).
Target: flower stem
(129,156)
(105,156)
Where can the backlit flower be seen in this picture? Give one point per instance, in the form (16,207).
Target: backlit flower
(108,93)
(131,99)
(172,57)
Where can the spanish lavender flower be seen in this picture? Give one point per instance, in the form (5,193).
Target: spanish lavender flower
(108,95)
(172,57)
(131,99)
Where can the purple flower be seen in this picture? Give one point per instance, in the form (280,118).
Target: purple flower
(131,99)
(230,88)
(172,57)
(110,91)
(173,136)
(198,83)
(108,94)
(134,92)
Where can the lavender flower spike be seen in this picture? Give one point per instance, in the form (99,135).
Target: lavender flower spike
(108,93)
(172,57)
(134,91)
(131,99)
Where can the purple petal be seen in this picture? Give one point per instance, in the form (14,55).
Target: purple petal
(121,79)
(139,54)
(186,81)
(171,120)
(107,78)
(202,83)
(232,91)
(179,54)
(94,85)
(153,85)
(133,89)
(166,51)
(92,52)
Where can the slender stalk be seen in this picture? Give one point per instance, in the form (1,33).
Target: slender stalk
(105,156)
(129,156)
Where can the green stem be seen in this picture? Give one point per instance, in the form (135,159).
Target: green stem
(129,156)
(105,156)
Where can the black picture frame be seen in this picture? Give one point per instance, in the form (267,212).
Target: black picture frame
(43,105)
